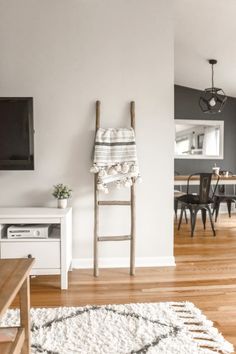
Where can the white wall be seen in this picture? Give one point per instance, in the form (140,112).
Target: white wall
(66,54)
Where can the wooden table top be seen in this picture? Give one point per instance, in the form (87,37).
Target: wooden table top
(13,272)
(185,178)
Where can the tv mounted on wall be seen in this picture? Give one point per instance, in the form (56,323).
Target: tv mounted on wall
(16,133)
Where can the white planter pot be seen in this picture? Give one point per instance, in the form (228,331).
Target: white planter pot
(62,203)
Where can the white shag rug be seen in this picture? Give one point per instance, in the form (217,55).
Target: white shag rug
(160,328)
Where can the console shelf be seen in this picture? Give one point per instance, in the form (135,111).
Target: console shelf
(53,255)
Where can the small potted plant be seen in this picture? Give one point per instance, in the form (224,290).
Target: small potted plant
(62,193)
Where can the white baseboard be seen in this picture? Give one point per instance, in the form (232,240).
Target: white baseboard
(124,262)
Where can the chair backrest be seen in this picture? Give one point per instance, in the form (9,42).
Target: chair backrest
(178,187)
(205,190)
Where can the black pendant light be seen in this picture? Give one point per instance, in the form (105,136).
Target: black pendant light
(213,99)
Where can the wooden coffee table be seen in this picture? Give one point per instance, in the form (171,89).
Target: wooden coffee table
(14,278)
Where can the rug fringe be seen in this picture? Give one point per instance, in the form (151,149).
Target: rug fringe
(201,329)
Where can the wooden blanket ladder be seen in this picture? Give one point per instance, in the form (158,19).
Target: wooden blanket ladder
(98,203)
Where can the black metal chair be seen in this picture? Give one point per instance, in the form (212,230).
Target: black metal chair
(222,197)
(178,193)
(228,199)
(200,201)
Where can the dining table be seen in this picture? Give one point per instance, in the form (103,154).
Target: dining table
(181,180)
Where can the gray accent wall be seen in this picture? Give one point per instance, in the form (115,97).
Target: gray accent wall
(186,107)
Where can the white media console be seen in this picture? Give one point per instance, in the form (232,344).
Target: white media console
(53,255)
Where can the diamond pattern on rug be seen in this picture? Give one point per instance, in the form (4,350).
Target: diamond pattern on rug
(170,328)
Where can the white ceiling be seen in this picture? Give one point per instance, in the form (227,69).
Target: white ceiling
(205,29)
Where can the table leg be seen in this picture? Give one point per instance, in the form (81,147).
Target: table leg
(24,294)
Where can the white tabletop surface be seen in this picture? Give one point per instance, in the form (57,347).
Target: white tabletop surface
(33,212)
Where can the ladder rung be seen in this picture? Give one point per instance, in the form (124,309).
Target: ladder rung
(114,238)
(114,202)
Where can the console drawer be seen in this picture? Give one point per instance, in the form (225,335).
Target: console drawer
(46,254)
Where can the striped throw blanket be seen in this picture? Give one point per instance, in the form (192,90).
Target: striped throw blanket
(115,158)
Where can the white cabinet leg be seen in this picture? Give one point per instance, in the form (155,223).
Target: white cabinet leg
(64,280)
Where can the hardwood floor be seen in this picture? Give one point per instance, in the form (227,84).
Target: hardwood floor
(208,265)
(205,275)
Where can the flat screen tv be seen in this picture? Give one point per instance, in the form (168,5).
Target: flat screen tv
(16,133)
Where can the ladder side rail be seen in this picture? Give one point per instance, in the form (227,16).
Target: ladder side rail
(133,206)
(96,197)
